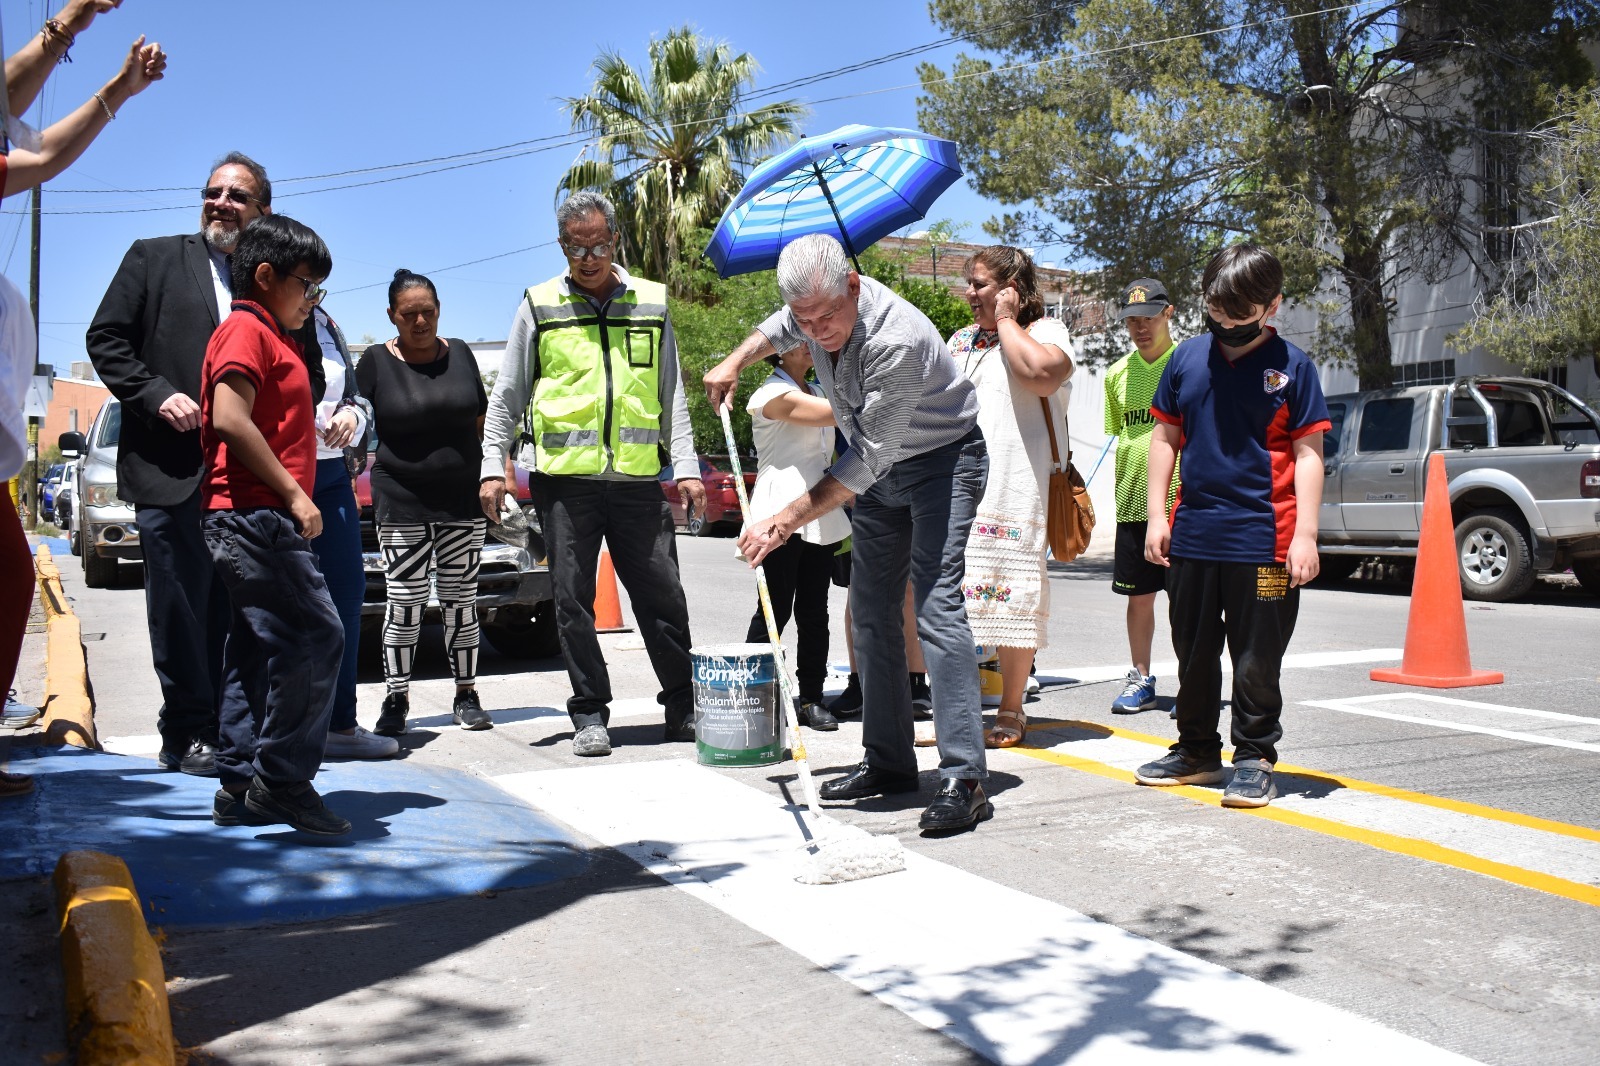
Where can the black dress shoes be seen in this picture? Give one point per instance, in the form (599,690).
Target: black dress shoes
(679,731)
(865,781)
(957,805)
(812,713)
(199,758)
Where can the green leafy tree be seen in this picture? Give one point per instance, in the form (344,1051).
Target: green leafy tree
(674,143)
(713,315)
(1544,312)
(1144,134)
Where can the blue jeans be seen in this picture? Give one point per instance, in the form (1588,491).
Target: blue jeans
(338,553)
(282,654)
(913,523)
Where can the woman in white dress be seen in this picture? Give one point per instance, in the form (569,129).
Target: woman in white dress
(1015,356)
(792,424)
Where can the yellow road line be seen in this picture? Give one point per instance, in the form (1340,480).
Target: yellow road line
(1399,845)
(1493,814)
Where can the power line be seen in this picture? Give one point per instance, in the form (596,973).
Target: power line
(456,266)
(551,142)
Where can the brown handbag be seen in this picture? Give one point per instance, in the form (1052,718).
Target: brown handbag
(1069,513)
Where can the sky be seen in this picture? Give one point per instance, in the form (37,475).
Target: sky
(318,88)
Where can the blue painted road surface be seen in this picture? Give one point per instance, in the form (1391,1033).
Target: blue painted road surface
(420,833)
(58,546)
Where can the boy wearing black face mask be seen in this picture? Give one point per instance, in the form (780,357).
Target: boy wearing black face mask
(1246,409)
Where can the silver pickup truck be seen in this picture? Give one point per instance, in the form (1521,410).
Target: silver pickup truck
(1523,459)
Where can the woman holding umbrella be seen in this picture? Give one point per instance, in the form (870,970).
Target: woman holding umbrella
(1017,358)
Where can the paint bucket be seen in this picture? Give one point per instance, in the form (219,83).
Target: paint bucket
(736,714)
(990,683)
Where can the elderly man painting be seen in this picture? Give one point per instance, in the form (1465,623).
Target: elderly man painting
(592,363)
(916,464)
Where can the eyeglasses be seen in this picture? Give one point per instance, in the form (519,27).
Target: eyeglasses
(578,251)
(314,291)
(212,193)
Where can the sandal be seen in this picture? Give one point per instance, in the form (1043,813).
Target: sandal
(1010,729)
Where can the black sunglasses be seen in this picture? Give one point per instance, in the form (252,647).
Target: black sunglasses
(237,196)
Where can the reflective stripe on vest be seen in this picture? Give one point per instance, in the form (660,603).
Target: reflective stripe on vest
(596,404)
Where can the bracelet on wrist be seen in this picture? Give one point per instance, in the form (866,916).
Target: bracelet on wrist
(53,30)
(110,114)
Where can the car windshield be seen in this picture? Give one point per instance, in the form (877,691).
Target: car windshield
(110,427)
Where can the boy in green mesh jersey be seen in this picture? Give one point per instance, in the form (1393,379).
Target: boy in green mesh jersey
(1130,386)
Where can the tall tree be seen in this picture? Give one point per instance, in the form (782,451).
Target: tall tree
(1144,134)
(673,142)
(1547,310)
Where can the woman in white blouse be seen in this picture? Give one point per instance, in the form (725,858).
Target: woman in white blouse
(792,424)
(1018,358)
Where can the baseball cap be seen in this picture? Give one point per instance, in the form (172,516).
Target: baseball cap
(1143,298)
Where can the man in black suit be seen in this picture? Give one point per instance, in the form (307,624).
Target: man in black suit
(147,342)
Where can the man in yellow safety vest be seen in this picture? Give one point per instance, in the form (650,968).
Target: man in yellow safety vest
(591,370)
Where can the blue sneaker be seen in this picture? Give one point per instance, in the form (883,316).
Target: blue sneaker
(1138,694)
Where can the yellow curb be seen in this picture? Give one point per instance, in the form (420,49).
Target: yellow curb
(68,710)
(116,989)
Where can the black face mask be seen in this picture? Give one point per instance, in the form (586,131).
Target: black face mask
(1235,336)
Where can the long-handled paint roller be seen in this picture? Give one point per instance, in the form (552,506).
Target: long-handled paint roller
(835,851)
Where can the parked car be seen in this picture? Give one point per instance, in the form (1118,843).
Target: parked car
(516,609)
(721,513)
(62,504)
(1523,459)
(103,525)
(49,485)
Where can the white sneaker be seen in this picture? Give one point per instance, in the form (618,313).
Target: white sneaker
(18,715)
(1033,685)
(362,744)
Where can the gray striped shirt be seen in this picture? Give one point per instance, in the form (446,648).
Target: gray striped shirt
(895,390)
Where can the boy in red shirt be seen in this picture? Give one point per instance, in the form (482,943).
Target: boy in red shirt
(284,638)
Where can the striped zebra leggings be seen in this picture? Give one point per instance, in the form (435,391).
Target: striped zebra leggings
(451,550)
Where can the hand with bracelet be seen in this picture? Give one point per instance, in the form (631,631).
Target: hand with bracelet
(60,145)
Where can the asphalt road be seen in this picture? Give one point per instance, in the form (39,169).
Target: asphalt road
(1432,873)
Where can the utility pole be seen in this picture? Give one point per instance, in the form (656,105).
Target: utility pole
(30,468)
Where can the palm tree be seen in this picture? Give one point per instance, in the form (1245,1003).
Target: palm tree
(673,144)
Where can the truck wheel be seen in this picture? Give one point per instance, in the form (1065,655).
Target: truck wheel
(1587,571)
(525,633)
(1493,556)
(1332,569)
(98,571)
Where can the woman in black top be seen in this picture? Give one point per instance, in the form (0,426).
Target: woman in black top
(428,405)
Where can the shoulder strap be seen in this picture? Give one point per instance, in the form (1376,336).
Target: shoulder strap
(1050,427)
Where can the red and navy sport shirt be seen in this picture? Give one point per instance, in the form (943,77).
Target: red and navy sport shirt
(1239,422)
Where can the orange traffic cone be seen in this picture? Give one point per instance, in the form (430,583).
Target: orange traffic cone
(607,607)
(1436,632)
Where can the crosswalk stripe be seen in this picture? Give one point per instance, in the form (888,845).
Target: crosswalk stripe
(1576,859)
(1047,985)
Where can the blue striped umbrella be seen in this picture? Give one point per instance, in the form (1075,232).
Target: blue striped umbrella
(858,183)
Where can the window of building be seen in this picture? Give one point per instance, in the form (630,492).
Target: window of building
(1555,375)
(1500,162)
(1435,372)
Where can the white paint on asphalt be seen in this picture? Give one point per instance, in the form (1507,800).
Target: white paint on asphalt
(1551,728)
(1568,857)
(1046,985)
(1169,667)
